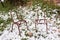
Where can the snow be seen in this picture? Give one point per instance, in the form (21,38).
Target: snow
(41,28)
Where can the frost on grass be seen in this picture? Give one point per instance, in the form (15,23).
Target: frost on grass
(38,33)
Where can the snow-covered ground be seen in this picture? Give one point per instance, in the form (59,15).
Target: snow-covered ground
(30,15)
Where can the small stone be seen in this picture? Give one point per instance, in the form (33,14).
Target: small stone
(30,34)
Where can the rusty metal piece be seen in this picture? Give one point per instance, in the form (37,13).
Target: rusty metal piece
(18,23)
(37,21)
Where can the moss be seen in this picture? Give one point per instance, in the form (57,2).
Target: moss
(9,20)
(7,6)
(24,39)
(1,20)
(4,24)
